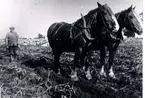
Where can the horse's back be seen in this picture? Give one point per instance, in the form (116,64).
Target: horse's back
(58,34)
(52,28)
(56,28)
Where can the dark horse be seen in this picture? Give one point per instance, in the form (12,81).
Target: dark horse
(127,19)
(65,37)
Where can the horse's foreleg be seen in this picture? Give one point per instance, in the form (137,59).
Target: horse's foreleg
(111,58)
(77,59)
(82,58)
(102,60)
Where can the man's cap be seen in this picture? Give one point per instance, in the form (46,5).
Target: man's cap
(11,27)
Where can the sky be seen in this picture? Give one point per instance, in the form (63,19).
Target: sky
(31,17)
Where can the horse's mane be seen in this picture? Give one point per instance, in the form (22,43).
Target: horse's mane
(89,17)
(118,14)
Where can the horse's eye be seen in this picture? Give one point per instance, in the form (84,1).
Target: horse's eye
(131,17)
(105,13)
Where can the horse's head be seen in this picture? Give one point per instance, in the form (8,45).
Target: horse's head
(107,17)
(132,21)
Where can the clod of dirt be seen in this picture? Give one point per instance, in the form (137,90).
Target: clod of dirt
(38,62)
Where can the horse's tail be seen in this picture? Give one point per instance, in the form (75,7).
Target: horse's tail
(50,32)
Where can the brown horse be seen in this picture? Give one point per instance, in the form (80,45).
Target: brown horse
(65,37)
(127,19)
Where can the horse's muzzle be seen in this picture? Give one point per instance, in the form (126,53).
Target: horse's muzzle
(116,25)
(115,28)
(140,32)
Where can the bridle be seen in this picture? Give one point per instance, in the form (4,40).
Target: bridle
(107,30)
(104,23)
(125,19)
(129,21)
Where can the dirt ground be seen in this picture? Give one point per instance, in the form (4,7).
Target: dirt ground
(19,81)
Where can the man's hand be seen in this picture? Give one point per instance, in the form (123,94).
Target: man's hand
(18,46)
(7,47)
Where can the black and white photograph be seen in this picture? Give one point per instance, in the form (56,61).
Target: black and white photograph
(71,48)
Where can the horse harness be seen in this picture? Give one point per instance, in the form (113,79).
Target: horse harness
(57,29)
(71,32)
(127,17)
(111,34)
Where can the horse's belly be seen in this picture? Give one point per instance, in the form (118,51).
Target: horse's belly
(63,45)
(70,48)
(95,45)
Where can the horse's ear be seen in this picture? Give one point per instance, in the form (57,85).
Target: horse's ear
(134,8)
(130,8)
(99,5)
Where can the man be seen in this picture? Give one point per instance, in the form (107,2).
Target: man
(12,43)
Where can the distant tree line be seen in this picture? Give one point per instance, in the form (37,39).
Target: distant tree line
(40,36)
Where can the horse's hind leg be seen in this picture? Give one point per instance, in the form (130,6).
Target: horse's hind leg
(82,58)
(56,61)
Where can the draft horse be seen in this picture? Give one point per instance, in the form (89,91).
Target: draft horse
(65,37)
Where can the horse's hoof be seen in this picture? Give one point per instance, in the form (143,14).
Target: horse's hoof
(112,75)
(83,68)
(88,76)
(103,74)
(74,78)
(59,72)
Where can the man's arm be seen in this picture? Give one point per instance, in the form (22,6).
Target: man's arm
(17,38)
(6,40)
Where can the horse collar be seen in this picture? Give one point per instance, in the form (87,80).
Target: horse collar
(71,36)
(71,33)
